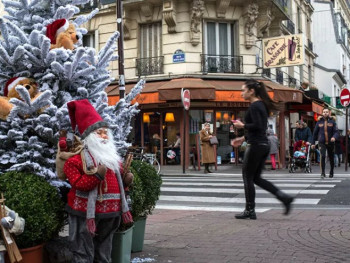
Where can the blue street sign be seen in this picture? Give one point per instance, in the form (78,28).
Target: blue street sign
(178,56)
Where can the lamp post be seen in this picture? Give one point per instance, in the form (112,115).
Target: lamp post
(120,49)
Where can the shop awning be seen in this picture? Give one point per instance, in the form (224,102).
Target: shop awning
(202,89)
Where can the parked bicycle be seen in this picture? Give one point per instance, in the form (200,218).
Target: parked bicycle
(150,158)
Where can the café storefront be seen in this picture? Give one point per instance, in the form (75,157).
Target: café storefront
(214,101)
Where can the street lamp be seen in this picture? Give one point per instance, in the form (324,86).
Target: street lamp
(120,49)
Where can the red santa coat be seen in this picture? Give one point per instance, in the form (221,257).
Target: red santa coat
(108,202)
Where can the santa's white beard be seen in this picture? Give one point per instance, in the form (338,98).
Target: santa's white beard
(103,151)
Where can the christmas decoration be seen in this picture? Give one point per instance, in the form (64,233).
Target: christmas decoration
(30,134)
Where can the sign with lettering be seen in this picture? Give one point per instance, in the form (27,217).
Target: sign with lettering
(345,97)
(283,51)
(178,56)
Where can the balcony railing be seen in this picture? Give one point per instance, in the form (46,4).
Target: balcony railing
(279,76)
(267,72)
(310,45)
(150,66)
(221,64)
(291,26)
(92,4)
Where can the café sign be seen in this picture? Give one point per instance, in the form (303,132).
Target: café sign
(283,51)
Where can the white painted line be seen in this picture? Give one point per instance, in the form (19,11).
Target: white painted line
(235,191)
(311,201)
(241,184)
(344,97)
(194,179)
(200,208)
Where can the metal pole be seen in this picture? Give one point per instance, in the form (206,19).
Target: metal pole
(184,145)
(120,49)
(346,138)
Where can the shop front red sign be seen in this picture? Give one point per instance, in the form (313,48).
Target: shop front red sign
(186,98)
(345,97)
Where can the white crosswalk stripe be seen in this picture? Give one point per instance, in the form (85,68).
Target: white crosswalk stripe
(217,193)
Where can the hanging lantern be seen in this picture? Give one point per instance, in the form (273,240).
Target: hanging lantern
(146,118)
(226,116)
(218,115)
(169,117)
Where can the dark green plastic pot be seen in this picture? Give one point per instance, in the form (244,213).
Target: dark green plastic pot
(121,247)
(138,235)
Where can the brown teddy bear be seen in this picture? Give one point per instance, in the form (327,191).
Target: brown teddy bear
(10,92)
(62,34)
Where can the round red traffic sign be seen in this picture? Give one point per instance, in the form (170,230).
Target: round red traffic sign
(186,98)
(345,97)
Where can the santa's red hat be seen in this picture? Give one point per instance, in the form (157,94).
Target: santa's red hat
(56,27)
(11,84)
(84,115)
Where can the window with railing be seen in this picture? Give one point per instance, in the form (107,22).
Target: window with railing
(92,4)
(310,45)
(151,60)
(221,64)
(282,3)
(267,72)
(149,66)
(89,40)
(279,76)
(290,26)
(292,82)
(220,48)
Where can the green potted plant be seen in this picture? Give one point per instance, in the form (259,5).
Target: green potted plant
(151,183)
(122,239)
(39,203)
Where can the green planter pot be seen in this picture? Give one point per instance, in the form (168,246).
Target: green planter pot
(121,246)
(138,235)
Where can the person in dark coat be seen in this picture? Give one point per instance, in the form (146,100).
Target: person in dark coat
(274,144)
(326,133)
(303,132)
(258,148)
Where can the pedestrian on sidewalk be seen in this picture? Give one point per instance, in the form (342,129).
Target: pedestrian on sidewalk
(302,132)
(274,145)
(207,150)
(96,201)
(258,147)
(326,133)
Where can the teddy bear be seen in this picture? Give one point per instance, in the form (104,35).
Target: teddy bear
(62,34)
(10,92)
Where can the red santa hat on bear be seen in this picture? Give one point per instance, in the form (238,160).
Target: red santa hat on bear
(55,28)
(11,84)
(84,115)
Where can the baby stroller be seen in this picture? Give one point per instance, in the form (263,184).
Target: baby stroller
(300,157)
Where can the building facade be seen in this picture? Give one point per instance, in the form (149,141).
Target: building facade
(331,33)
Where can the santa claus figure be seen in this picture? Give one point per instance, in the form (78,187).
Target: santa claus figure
(96,201)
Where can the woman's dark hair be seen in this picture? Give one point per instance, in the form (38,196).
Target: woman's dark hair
(260,92)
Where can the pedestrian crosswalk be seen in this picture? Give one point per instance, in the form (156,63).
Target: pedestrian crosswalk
(226,193)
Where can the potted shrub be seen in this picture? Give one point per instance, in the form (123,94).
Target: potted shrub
(122,239)
(151,183)
(39,203)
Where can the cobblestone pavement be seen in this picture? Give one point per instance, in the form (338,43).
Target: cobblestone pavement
(197,236)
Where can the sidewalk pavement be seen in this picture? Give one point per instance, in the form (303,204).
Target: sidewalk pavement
(214,237)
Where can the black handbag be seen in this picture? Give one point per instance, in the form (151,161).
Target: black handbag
(213,140)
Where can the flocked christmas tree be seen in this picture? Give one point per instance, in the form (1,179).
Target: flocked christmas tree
(29,135)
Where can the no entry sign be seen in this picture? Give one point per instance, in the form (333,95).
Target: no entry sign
(186,98)
(345,97)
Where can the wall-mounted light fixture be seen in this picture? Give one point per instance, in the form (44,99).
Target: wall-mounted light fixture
(169,117)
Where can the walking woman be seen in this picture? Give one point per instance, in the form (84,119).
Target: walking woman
(258,148)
